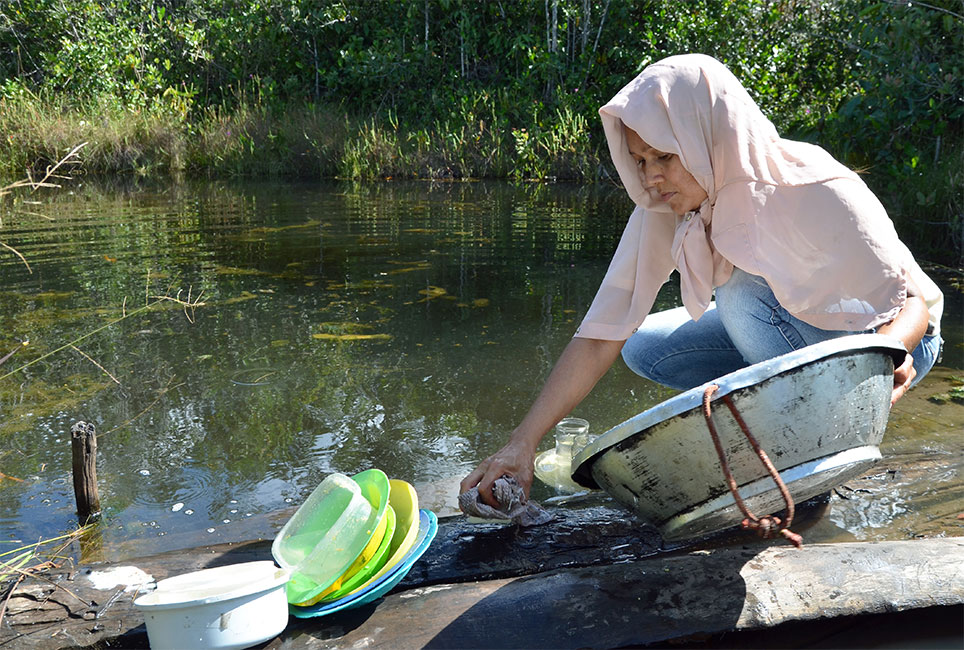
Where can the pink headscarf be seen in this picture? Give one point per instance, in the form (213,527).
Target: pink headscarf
(784,210)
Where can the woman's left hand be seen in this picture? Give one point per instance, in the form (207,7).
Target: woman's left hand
(909,328)
(903,376)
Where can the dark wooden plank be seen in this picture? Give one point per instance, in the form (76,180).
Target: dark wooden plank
(587,533)
(653,600)
(582,536)
(633,602)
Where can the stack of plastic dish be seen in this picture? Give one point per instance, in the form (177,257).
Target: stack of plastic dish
(352,541)
(406,536)
(333,533)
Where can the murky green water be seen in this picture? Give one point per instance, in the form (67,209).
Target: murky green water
(401,326)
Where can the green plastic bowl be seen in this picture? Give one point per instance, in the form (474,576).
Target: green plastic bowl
(325,535)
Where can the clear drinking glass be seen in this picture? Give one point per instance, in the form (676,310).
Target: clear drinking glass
(571,435)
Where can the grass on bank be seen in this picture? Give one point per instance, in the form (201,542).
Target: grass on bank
(254,138)
(250,140)
(302,140)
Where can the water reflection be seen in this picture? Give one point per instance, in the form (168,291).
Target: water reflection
(343,327)
(402,326)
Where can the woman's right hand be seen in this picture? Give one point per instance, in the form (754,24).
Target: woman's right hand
(516,459)
(578,369)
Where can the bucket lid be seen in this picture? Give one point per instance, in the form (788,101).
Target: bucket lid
(214,585)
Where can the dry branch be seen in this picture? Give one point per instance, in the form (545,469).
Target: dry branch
(72,158)
(103,369)
(14,569)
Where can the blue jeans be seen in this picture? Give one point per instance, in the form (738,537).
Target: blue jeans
(744,326)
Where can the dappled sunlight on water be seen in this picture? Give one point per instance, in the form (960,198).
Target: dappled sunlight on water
(400,326)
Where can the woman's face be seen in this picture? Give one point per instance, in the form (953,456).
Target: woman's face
(664,176)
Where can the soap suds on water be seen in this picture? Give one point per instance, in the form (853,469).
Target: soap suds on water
(129,577)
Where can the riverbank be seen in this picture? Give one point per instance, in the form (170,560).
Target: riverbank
(591,578)
(306,140)
(295,140)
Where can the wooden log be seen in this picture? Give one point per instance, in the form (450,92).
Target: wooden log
(588,557)
(625,602)
(653,600)
(83,440)
(635,603)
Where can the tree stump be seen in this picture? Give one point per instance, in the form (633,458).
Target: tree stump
(83,439)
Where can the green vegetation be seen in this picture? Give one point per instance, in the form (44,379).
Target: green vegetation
(459,88)
(954,394)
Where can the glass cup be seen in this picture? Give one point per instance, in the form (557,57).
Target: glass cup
(571,435)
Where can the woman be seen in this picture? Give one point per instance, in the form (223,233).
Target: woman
(797,249)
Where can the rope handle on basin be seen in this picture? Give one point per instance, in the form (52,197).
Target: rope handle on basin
(769,525)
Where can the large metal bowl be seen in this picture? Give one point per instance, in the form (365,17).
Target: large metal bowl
(819,413)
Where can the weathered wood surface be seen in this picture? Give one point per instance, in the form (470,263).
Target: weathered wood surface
(594,535)
(631,603)
(591,532)
(654,599)
(585,589)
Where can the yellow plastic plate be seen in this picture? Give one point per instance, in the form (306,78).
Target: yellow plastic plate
(404,500)
(371,567)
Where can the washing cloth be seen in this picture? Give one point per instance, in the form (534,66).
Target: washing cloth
(512,502)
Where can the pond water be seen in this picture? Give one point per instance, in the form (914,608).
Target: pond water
(334,327)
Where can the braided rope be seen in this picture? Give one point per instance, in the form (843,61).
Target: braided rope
(769,525)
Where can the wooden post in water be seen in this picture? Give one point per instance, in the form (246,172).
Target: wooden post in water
(83,439)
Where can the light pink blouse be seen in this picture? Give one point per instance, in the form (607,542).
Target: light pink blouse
(781,209)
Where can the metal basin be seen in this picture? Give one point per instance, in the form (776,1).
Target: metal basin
(819,413)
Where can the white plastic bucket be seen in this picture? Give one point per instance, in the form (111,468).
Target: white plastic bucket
(233,606)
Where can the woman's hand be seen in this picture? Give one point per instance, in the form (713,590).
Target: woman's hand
(903,376)
(909,327)
(516,459)
(578,369)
